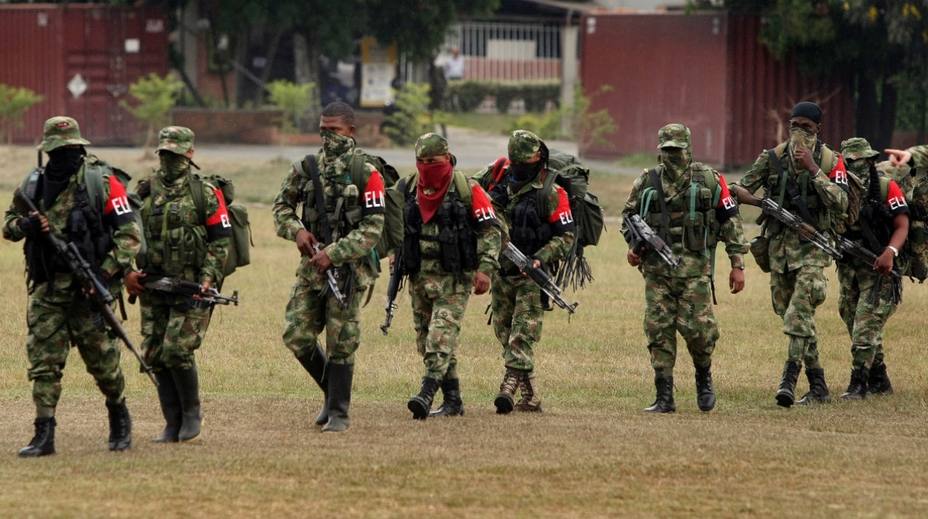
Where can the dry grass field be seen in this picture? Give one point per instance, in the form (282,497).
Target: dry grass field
(591,453)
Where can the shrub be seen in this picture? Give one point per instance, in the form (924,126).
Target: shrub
(294,100)
(536,94)
(14,102)
(411,117)
(155,96)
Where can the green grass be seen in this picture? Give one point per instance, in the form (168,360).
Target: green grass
(591,453)
(489,123)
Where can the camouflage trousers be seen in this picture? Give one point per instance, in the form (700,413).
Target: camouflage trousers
(55,323)
(795,295)
(312,310)
(438,305)
(679,305)
(864,317)
(172,330)
(517,318)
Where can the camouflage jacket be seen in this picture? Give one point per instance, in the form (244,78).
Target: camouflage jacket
(726,227)
(355,245)
(787,251)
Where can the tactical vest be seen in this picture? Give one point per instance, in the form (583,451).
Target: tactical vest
(343,211)
(529,228)
(689,216)
(457,235)
(796,193)
(874,227)
(175,232)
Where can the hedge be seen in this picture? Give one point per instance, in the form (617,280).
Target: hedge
(469,94)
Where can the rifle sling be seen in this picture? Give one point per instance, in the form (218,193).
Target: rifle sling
(664,230)
(312,167)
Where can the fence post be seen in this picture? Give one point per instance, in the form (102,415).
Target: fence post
(569,70)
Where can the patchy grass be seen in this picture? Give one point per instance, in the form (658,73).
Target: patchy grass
(592,453)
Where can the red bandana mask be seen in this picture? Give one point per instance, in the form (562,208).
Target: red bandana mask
(434,180)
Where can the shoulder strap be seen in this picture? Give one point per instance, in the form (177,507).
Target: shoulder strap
(655,178)
(30,186)
(199,197)
(360,171)
(462,187)
(546,187)
(827,157)
(93,180)
(312,167)
(773,160)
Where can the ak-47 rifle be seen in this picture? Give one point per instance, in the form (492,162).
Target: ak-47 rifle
(641,236)
(94,288)
(863,254)
(169,285)
(393,288)
(332,276)
(539,276)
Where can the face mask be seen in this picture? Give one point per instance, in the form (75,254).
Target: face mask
(675,159)
(525,172)
(859,167)
(434,176)
(173,166)
(335,145)
(801,138)
(65,161)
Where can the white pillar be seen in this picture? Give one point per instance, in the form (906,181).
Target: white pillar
(569,69)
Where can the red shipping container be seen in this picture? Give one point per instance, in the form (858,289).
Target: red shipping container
(81,58)
(706,70)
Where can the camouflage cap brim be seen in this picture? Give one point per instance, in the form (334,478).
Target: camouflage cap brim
(674,144)
(53,143)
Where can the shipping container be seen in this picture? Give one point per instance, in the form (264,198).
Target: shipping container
(706,70)
(81,58)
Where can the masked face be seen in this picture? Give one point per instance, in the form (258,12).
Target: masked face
(65,161)
(173,166)
(434,175)
(523,172)
(801,138)
(335,145)
(675,159)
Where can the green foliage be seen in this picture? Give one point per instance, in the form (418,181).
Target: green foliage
(154,97)
(293,99)
(536,94)
(585,125)
(411,118)
(14,102)
(546,125)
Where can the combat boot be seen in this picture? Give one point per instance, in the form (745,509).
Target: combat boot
(43,443)
(663,402)
(315,363)
(421,404)
(452,404)
(505,399)
(340,378)
(188,389)
(879,380)
(857,389)
(170,407)
(786,393)
(705,393)
(818,389)
(120,426)
(530,401)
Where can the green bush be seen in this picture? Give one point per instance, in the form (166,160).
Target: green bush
(293,100)
(412,117)
(154,96)
(536,94)
(14,101)
(547,125)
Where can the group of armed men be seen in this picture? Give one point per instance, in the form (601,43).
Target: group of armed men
(83,243)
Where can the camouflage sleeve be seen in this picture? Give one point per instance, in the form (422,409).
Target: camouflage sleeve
(359,242)
(731,230)
(563,222)
(127,236)
(832,186)
(919,156)
(489,236)
(286,220)
(755,177)
(218,232)
(631,203)
(11,230)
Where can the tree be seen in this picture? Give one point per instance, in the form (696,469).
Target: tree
(14,102)
(154,96)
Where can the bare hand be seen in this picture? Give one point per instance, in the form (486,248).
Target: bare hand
(804,157)
(321,261)
(134,283)
(632,258)
(536,264)
(736,281)
(305,242)
(898,157)
(204,289)
(884,263)
(481,283)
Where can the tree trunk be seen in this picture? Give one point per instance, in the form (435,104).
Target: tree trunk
(922,112)
(866,116)
(888,102)
(306,70)
(271,53)
(241,58)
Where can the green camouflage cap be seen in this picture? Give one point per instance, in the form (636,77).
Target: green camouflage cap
(857,148)
(674,135)
(176,139)
(61,131)
(431,145)
(523,145)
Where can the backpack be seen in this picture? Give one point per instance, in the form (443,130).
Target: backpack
(241,240)
(93,179)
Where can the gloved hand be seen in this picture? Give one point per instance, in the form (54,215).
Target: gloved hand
(33,225)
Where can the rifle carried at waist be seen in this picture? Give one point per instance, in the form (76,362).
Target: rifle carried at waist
(539,276)
(180,287)
(393,288)
(641,236)
(332,278)
(94,288)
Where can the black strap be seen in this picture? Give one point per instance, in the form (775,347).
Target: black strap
(664,230)
(312,167)
(773,160)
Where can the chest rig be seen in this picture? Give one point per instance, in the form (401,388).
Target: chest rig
(686,217)
(175,230)
(794,190)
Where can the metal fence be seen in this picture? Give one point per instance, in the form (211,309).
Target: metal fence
(504,51)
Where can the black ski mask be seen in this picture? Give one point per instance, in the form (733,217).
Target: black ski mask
(65,161)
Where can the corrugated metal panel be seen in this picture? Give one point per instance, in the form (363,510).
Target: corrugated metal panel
(110,47)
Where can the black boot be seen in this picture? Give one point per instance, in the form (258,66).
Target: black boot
(452,405)
(505,399)
(857,389)
(879,380)
(315,363)
(818,389)
(120,426)
(421,404)
(340,377)
(43,443)
(663,403)
(786,393)
(188,389)
(170,407)
(705,393)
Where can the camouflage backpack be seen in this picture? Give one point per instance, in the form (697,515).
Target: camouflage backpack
(914,184)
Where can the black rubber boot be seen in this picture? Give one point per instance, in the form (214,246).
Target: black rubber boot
(315,363)
(120,426)
(421,404)
(340,378)
(188,388)
(879,380)
(170,407)
(818,389)
(452,404)
(505,399)
(857,389)
(43,443)
(663,402)
(705,393)
(786,393)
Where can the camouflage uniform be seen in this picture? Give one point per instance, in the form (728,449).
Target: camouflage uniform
(187,242)
(358,227)
(681,299)
(868,299)
(797,277)
(517,306)
(439,297)
(58,314)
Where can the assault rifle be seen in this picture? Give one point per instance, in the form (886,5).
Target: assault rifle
(539,276)
(863,254)
(393,288)
(94,288)
(169,285)
(640,235)
(333,281)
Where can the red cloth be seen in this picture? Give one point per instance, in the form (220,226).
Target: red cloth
(435,178)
